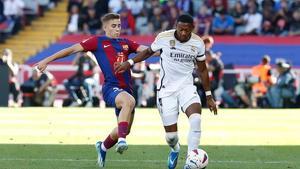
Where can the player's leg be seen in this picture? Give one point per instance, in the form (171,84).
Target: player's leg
(191,105)
(126,103)
(109,142)
(193,113)
(168,109)
(102,147)
(110,95)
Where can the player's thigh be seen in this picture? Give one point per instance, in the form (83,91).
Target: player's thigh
(114,96)
(168,109)
(189,100)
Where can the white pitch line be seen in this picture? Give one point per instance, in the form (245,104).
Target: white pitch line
(147,161)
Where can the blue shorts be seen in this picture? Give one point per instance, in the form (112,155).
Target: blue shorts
(109,95)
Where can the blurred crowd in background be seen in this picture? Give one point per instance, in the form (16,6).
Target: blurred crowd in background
(263,87)
(16,14)
(216,17)
(140,17)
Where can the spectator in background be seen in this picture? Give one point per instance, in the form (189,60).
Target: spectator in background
(267,23)
(203,21)
(141,24)
(138,76)
(135,6)
(284,91)
(172,18)
(252,21)
(237,13)
(170,10)
(2,18)
(215,67)
(43,6)
(282,19)
(185,6)
(127,22)
(101,7)
(42,86)
(268,5)
(78,3)
(217,5)
(150,6)
(7,58)
(264,80)
(13,10)
(115,5)
(166,8)
(80,82)
(73,23)
(92,24)
(295,5)
(158,22)
(223,24)
(295,24)
(149,88)
(90,4)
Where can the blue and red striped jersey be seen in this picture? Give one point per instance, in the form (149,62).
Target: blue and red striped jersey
(109,52)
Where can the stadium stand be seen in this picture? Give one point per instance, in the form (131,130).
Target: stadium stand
(276,35)
(38,34)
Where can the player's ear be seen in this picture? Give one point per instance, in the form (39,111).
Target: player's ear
(104,25)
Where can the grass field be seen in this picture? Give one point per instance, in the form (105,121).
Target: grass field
(53,138)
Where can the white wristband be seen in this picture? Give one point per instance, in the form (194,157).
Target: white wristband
(130,61)
(208,93)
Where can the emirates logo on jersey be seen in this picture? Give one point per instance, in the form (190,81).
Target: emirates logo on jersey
(172,44)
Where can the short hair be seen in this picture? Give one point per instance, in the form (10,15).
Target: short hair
(110,16)
(266,59)
(185,18)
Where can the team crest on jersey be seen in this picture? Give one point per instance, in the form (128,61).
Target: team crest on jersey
(172,44)
(125,47)
(193,48)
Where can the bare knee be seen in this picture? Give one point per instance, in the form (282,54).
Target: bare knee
(129,102)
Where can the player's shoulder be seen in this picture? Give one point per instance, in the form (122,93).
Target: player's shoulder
(195,37)
(196,40)
(166,34)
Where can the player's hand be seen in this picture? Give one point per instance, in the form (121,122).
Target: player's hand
(211,104)
(41,66)
(120,68)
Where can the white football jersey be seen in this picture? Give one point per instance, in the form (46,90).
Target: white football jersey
(177,61)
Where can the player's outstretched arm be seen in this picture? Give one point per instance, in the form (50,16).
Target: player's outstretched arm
(203,73)
(138,58)
(42,65)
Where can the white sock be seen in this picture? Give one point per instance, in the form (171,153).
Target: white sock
(172,140)
(121,139)
(194,132)
(103,147)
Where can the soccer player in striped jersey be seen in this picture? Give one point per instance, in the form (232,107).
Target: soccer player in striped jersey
(109,51)
(181,51)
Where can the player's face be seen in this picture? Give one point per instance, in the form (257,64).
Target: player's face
(112,28)
(183,31)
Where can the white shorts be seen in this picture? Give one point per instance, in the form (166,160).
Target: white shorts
(169,106)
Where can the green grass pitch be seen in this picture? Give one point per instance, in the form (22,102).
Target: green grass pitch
(53,138)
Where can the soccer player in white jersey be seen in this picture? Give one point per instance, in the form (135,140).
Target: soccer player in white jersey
(181,51)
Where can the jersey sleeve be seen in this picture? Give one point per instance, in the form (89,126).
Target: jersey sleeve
(201,52)
(156,45)
(90,44)
(133,46)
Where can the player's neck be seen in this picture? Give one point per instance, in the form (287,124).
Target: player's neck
(176,37)
(110,36)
